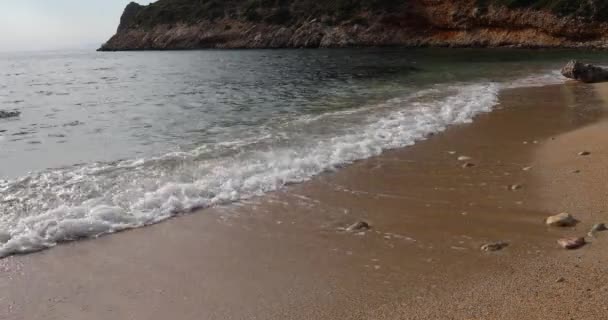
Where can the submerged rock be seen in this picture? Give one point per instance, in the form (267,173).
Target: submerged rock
(561,220)
(584,72)
(571,243)
(9,114)
(359,226)
(494,246)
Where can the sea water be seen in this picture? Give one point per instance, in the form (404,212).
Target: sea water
(112,141)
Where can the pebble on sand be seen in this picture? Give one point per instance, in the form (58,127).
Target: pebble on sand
(584,153)
(468,165)
(515,187)
(597,228)
(571,243)
(561,220)
(464,158)
(359,226)
(494,246)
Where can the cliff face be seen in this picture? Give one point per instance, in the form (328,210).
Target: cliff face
(191,24)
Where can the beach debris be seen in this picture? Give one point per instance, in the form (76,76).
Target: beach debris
(458,248)
(514,187)
(359,226)
(584,153)
(464,158)
(584,72)
(9,114)
(468,165)
(494,246)
(597,228)
(571,243)
(563,219)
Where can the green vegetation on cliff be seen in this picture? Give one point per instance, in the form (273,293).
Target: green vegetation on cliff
(269,11)
(193,24)
(596,10)
(286,12)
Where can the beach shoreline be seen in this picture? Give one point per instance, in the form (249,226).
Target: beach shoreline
(286,255)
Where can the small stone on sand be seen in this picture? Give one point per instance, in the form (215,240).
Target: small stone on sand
(597,228)
(561,220)
(359,226)
(494,246)
(468,165)
(571,243)
(584,153)
(515,187)
(464,158)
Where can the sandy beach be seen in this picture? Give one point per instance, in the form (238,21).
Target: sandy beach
(287,255)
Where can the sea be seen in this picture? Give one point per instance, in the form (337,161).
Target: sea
(111,141)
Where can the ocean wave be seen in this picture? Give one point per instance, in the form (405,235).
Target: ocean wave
(42,209)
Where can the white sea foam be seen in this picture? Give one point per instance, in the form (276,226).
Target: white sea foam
(40,210)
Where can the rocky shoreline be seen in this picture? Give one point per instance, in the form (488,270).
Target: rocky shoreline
(421,23)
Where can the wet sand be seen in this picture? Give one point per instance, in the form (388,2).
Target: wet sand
(285,255)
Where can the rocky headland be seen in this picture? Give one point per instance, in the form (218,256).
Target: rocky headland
(190,24)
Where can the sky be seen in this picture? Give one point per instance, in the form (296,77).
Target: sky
(27,25)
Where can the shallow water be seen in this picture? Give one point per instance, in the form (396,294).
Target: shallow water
(108,141)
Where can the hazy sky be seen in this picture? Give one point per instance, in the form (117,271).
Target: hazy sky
(58,24)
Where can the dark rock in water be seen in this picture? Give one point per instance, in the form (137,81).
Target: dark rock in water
(584,72)
(494,246)
(571,243)
(9,114)
(359,226)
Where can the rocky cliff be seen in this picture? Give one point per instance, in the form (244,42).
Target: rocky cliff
(191,24)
